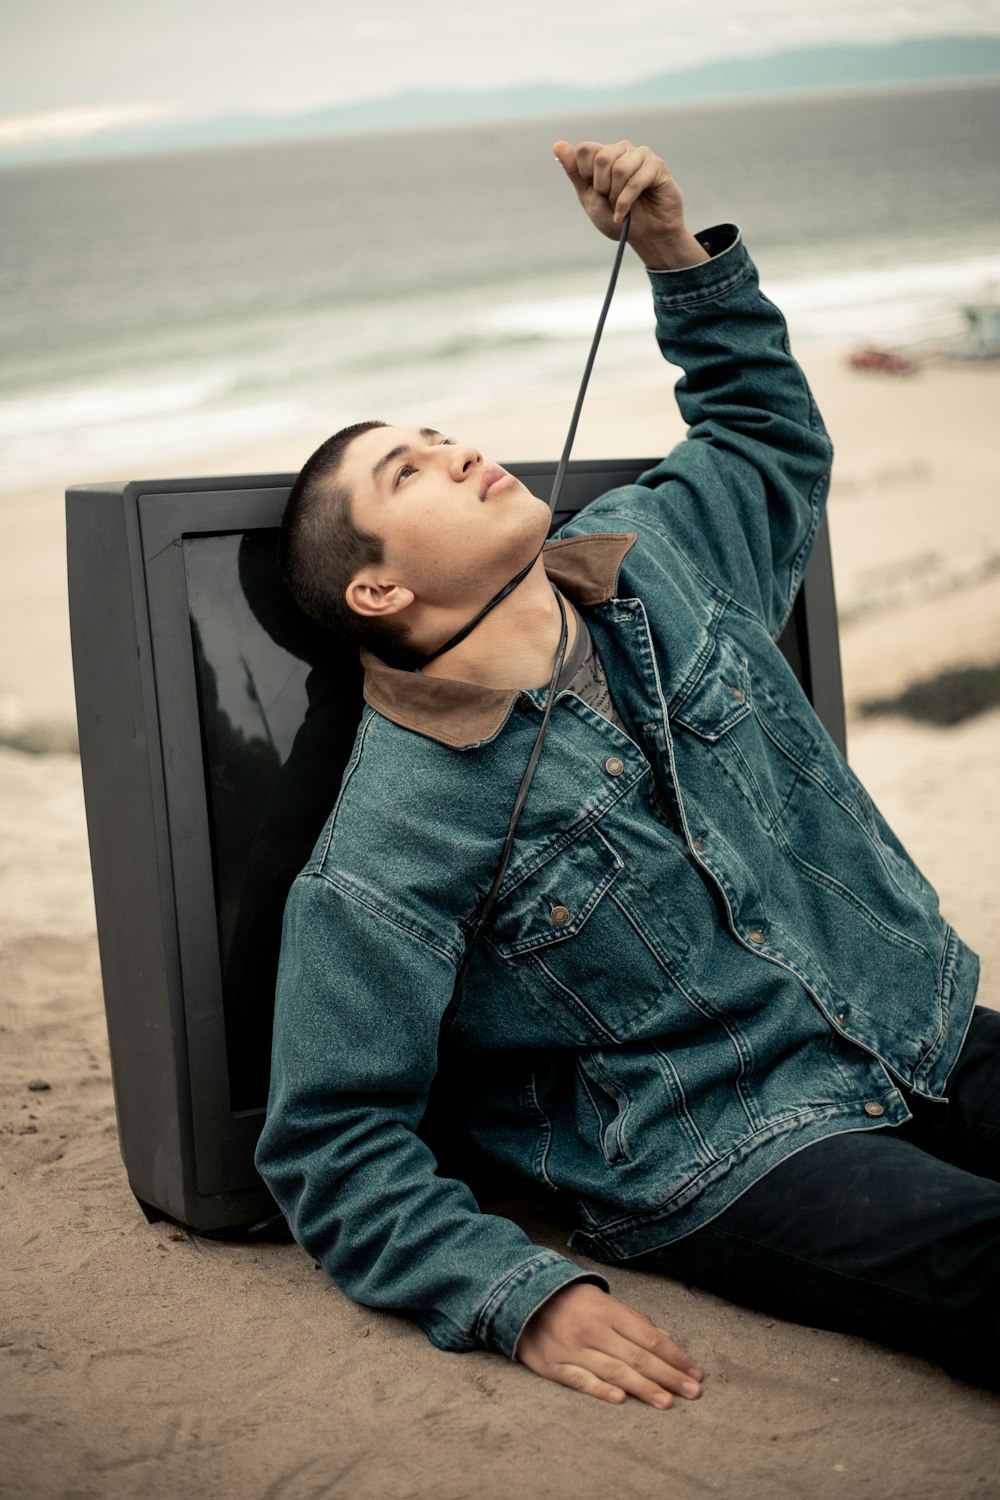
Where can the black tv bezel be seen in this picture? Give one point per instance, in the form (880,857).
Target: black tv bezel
(166,520)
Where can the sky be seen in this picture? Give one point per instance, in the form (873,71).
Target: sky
(72,67)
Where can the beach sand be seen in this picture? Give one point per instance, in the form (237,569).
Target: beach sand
(137,1360)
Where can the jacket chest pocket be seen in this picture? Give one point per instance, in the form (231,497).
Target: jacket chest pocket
(743,739)
(583,963)
(555,902)
(720,696)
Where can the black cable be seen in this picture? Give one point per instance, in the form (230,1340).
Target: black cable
(508,588)
(564,461)
(550,696)
(519,800)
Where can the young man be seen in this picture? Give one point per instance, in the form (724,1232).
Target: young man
(715,1003)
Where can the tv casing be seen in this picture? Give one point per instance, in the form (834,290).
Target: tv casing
(187,1148)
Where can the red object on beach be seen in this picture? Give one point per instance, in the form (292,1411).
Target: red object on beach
(881,359)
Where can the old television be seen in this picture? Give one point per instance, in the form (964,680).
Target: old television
(215,721)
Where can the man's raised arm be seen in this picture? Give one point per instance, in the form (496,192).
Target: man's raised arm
(742,495)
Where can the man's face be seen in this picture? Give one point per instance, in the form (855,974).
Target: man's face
(455,525)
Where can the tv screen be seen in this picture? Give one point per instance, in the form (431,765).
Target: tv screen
(215,724)
(278,706)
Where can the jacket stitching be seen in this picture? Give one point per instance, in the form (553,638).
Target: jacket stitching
(499,1291)
(546,1132)
(344,889)
(703,1006)
(721,1165)
(846,894)
(667,301)
(615,1126)
(348,774)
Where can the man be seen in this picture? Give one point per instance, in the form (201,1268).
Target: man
(715,1003)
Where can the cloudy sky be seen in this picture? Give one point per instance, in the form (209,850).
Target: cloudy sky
(71,66)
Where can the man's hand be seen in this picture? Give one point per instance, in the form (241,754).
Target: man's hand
(612,181)
(584,1338)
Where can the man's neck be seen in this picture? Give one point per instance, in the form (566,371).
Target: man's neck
(514,645)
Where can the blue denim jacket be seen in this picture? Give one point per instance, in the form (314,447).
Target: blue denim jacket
(668,1002)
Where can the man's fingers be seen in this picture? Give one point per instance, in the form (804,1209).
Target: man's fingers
(621,1372)
(566,156)
(644,174)
(605,162)
(625,166)
(621,1381)
(610,179)
(586,155)
(579,1378)
(650,1368)
(636,1328)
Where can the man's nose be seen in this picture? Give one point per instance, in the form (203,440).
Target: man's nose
(462,458)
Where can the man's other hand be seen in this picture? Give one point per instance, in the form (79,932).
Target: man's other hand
(612,181)
(585,1338)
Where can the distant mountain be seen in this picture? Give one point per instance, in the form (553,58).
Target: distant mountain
(922,60)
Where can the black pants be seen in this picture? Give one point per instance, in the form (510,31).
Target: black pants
(893,1234)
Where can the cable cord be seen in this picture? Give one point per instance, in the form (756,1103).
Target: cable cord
(564,460)
(519,801)
(557,666)
(468,628)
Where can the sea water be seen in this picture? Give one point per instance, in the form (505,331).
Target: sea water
(153,307)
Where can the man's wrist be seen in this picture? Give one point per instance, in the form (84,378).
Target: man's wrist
(675,253)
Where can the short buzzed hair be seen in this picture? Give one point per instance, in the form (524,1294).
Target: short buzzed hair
(321,548)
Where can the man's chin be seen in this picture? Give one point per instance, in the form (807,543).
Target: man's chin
(541,516)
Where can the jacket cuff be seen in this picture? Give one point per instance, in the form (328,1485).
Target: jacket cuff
(522,1293)
(729,265)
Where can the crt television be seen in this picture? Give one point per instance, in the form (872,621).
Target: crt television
(215,721)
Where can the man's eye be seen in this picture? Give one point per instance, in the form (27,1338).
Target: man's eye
(406,469)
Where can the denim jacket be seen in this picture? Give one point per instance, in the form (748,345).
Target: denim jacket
(674,994)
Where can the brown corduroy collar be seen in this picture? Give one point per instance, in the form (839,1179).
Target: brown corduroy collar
(460,714)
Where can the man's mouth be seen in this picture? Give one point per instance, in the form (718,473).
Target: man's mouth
(492,479)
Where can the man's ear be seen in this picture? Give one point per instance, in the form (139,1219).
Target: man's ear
(373,595)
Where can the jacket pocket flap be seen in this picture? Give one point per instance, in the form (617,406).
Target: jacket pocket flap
(719,698)
(553,903)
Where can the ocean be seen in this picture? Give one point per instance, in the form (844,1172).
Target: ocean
(154,307)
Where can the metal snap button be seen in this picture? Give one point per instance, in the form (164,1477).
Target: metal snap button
(756,934)
(874,1110)
(559,915)
(737,693)
(840,1018)
(614,766)
(698,844)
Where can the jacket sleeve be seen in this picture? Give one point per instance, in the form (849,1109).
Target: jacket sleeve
(742,495)
(358,1008)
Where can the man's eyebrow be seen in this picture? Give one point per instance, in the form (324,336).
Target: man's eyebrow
(398,452)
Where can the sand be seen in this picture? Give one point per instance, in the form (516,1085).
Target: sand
(137,1360)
